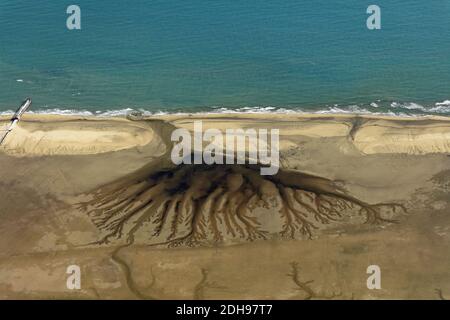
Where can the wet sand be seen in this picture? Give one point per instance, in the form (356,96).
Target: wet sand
(51,165)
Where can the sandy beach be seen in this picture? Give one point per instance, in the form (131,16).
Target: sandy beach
(101,193)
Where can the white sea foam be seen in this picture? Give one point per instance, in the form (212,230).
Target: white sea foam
(6,113)
(266,109)
(408,106)
(396,109)
(439,108)
(443,103)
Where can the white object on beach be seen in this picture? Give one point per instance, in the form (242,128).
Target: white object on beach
(15,119)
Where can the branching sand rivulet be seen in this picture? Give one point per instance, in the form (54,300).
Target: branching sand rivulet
(305,286)
(204,205)
(193,205)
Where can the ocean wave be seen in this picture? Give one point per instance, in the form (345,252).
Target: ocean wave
(438,108)
(441,107)
(402,109)
(443,103)
(408,106)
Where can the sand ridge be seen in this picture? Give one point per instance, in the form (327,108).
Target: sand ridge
(72,136)
(368,134)
(381,136)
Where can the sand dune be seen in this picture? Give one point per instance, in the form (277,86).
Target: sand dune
(411,137)
(369,134)
(61,136)
(56,135)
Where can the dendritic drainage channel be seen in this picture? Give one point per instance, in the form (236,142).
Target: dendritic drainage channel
(208,205)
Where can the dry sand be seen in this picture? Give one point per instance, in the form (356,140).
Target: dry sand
(55,170)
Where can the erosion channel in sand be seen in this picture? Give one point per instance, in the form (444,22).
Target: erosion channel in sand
(103,193)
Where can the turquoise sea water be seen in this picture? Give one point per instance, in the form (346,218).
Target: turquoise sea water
(187,56)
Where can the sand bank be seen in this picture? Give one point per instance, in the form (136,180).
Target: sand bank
(57,135)
(71,135)
(101,193)
(369,134)
(384,136)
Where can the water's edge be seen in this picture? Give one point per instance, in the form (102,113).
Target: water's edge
(374,108)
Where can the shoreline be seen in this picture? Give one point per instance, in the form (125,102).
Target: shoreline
(39,135)
(170,116)
(386,108)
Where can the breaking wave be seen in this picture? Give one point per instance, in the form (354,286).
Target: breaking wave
(403,109)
